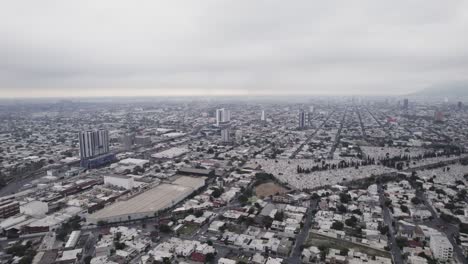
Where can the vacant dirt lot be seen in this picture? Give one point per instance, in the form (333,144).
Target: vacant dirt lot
(269,188)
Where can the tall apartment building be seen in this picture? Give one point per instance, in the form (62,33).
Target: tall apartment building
(302,119)
(225,134)
(128,140)
(222,116)
(441,247)
(94,149)
(93,143)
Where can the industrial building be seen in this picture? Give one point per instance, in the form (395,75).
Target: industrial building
(9,208)
(73,239)
(123,181)
(149,202)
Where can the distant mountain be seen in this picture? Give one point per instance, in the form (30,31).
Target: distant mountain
(459,89)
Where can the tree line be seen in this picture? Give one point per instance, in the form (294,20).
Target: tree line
(333,166)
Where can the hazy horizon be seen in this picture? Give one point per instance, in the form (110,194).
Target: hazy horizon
(230,48)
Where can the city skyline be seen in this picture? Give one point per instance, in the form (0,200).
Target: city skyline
(170,181)
(234,132)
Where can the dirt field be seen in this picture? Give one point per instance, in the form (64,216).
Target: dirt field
(269,188)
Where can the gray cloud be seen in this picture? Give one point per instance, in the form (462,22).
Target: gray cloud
(56,48)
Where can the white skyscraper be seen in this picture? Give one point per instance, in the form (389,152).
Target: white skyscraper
(93,143)
(263,115)
(302,119)
(222,116)
(219,116)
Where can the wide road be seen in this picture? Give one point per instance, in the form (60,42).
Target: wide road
(380,123)
(338,135)
(363,129)
(309,138)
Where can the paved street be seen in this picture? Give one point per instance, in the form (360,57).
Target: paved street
(395,250)
(303,235)
(449,230)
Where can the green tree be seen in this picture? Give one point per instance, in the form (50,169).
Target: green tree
(87,259)
(164,228)
(337,225)
(279,216)
(415,200)
(352,221)
(323,252)
(404,209)
(267,221)
(210,257)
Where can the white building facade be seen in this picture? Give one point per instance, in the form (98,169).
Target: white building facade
(125,182)
(93,143)
(222,116)
(441,247)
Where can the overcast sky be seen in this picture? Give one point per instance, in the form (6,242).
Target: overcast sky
(114,47)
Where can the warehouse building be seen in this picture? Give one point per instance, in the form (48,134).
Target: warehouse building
(149,202)
(9,208)
(123,181)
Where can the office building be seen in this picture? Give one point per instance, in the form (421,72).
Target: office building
(405,104)
(302,119)
(310,118)
(441,248)
(219,116)
(460,105)
(93,143)
(143,140)
(262,118)
(227,115)
(128,140)
(225,134)
(222,116)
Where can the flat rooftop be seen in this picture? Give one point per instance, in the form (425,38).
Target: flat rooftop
(155,199)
